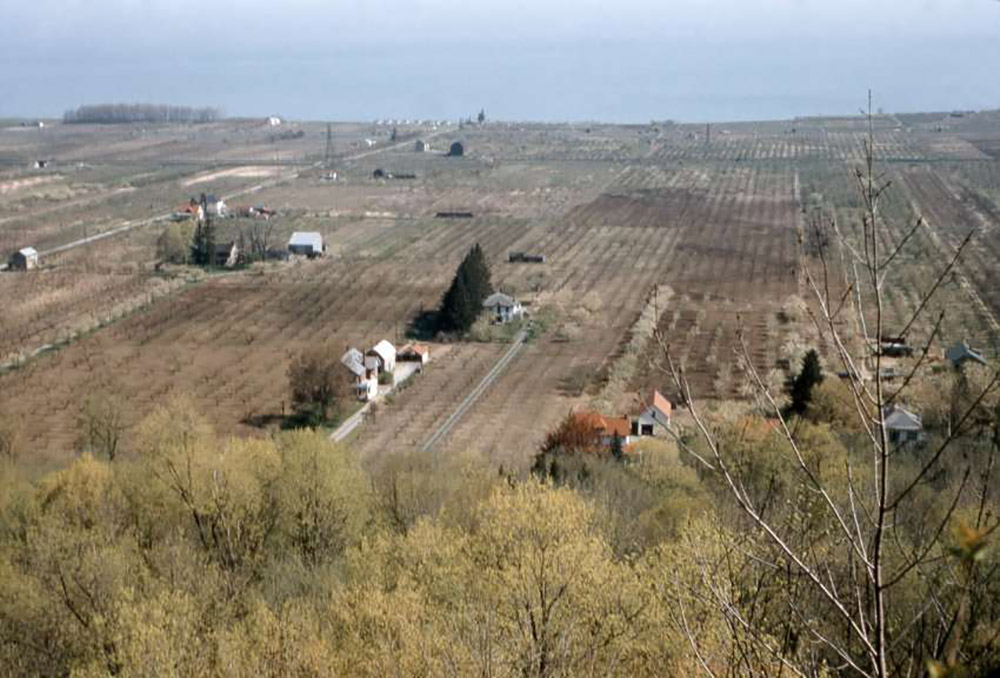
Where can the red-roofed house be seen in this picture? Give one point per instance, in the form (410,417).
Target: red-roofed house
(605,428)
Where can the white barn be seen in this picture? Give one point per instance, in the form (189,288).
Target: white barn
(385,353)
(306,243)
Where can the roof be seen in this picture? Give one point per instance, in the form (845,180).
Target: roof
(371,363)
(385,350)
(306,238)
(224,247)
(28,252)
(901,419)
(608,426)
(499,299)
(961,352)
(660,403)
(354,361)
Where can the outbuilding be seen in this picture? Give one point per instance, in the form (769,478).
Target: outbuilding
(502,308)
(306,243)
(24,259)
(654,416)
(457,150)
(364,378)
(419,353)
(227,255)
(385,353)
(420,146)
(902,425)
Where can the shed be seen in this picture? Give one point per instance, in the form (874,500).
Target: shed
(420,353)
(306,243)
(457,150)
(24,259)
(385,353)
(903,426)
(420,146)
(365,380)
(502,308)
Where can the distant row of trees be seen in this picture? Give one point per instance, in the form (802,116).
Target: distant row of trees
(121,113)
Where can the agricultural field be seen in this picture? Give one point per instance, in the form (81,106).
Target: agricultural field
(701,233)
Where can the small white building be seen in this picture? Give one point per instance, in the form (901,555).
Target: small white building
(24,259)
(306,243)
(502,308)
(385,353)
(902,425)
(273,121)
(216,206)
(654,418)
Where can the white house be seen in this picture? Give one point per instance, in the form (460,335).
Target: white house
(655,416)
(273,121)
(307,243)
(903,426)
(385,353)
(216,206)
(24,259)
(365,379)
(502,308)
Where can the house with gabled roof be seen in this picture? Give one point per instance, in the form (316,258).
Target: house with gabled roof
(605,428)
(654,416)
(24,259)
(385,353)
(502,308)
(364,377)
(902,425)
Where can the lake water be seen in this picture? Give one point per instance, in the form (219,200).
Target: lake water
(686,80)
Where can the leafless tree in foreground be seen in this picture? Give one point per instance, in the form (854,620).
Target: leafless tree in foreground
(850,575)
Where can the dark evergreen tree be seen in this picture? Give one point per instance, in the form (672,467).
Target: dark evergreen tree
(617,449)
(469,288)
(802,387)
(482,115)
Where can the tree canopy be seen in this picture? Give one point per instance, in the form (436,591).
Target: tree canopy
(464,299)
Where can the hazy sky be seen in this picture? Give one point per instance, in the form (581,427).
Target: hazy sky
(542,59)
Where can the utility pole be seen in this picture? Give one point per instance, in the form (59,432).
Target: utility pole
(708,134)
(328,155)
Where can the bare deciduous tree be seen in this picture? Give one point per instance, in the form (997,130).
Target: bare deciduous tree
(852,573)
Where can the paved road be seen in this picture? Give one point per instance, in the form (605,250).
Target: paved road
(351,423)
(474,395)
(280,179)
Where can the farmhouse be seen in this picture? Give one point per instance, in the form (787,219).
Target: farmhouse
(655,416)
(24,259)
(226,255)
(605,429)
(414,353)
(306,243)
(216,206)
(502,308)
(960,353)
(457,150)
(364,379)
(385,355)
(903,426)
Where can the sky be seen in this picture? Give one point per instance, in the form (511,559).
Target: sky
(621,60)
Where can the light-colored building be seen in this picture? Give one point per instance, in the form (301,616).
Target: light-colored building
(273,121)
(421,146)
(216,206)
(306,243)
(385,353)
(654,418)
(903,426)
(364,379)
(502,308)
(24,259)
